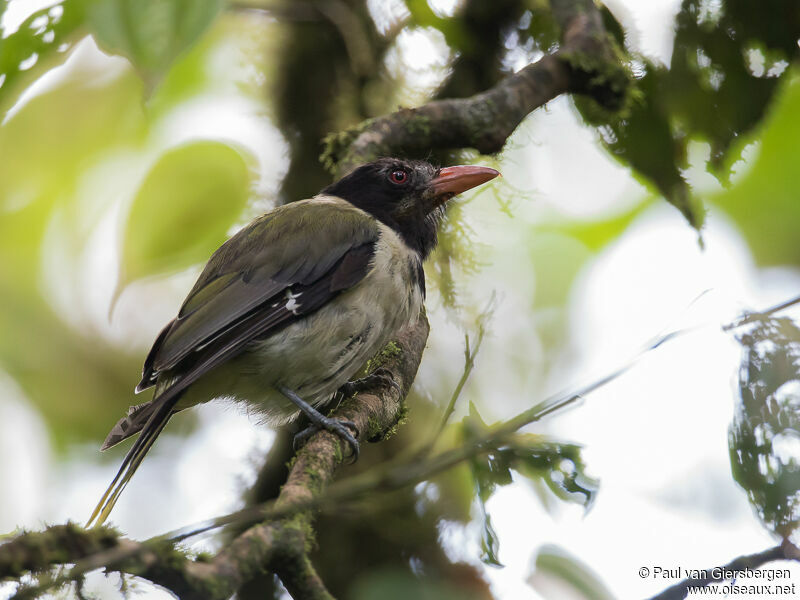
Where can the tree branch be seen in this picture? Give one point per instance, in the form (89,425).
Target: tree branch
(783,551)
(279,546)
(585,64)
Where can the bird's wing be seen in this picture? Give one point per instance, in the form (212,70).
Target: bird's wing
(270,273)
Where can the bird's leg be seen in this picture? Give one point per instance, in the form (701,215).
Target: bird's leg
(320,421)
(379,377)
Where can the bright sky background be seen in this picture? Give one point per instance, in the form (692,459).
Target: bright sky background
(656,438)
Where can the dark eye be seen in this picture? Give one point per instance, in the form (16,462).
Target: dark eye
(398,176)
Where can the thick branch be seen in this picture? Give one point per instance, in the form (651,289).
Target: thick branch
(784,551)
(483,121)
(585,64)
(157,561)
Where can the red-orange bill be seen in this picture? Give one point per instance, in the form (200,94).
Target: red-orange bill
(454,180)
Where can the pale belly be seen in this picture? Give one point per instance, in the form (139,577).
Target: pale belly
(318,354)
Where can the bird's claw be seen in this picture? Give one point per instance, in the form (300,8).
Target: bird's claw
(335,426)
(380,377)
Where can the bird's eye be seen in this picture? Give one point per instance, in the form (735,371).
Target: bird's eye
(398,176)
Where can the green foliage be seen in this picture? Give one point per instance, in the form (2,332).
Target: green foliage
(90,124)
(184,209)
(397,585)
(765,433)
(763,202)
(643,138)
(711,91)
(559,465)
(452,29)
(41,37)
(150,33)
(66,128)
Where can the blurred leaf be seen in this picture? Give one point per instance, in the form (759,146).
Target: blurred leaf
(764,435)
(763,203)
(43,35)
(52,140)
(558,575)
(77,380)
(728,60)
(487,472)
(150,33)
(190,73)
(596,235)
(490,544)
(559,465)
(396,585)
(79,384)
(711,65)
(183,210)
(558,253)
(644,139)
(542,26)
(452,29)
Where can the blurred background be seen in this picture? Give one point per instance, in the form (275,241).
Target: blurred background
(137,136)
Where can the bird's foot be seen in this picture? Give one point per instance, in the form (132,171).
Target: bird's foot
(335,426)
(319,421)
(380,377)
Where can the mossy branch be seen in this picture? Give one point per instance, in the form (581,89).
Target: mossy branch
(587,63)
(279,546)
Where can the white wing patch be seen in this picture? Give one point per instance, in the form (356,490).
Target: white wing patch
(292,305)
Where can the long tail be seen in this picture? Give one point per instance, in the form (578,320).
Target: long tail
(162,411)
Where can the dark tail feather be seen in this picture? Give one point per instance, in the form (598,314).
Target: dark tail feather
(161,410)
(130,424)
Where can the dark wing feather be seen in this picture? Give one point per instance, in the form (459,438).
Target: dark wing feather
(148,372)
(277,253)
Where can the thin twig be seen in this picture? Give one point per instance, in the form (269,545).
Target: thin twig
(469,364)
(751,317)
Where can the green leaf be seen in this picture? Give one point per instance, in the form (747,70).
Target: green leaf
(764,435)
(559,465)
(490,544)
(643,137)
(452,29)
(151,33)
(183,209)
(394,584)
(555,569)
(29,50)
(763,203)
(57,135)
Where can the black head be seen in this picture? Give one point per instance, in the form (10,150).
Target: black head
(408,195)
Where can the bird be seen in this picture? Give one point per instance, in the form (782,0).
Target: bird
(293,305)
